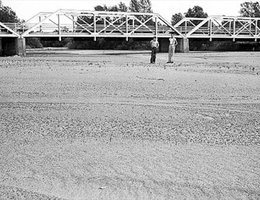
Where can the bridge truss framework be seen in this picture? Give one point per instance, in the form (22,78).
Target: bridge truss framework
(94,24)
(220,27)
(83,23)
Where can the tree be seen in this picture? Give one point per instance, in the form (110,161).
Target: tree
(134,6)
(122,7)
(176,18)
(113,8)
(100,8)
(145,6)
(8,15)
(89,19)
(196,11)
(250,9)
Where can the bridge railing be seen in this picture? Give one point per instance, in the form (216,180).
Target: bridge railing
(8,30)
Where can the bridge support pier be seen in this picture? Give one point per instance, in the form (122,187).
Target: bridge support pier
(163,44)
(1,47)
(8,46)
(184,45)
(20,47)
(12,46)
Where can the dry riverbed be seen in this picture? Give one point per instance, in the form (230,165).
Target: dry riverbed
(88,125)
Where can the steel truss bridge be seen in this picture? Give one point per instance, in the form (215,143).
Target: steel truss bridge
(94,24)
(82,23)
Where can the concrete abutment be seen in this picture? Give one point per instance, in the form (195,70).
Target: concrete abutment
(183,45)
(10,46)
(21,47)
(17,46)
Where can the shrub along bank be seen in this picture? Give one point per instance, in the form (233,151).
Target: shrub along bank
(138,44)
(223,45)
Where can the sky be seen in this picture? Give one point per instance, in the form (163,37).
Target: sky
(25,9)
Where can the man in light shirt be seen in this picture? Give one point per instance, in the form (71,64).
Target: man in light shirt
(172,45)
(154,46)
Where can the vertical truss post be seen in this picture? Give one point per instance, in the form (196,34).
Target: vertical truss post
(95,26)
(234,29)
(59,29)
(210,29)
(185,27)
(256,26)
(40,27)
(250,25)
(73,23)
(104,24)
(156,26)
(126,26)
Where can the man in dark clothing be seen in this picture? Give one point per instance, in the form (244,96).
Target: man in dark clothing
(154,46)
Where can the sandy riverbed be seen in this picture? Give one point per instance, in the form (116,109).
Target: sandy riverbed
(85,125)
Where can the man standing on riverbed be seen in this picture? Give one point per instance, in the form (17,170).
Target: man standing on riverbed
(154,45)
(172,45)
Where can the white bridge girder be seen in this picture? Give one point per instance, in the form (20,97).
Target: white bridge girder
(93,24)
(80,23)
(220,27)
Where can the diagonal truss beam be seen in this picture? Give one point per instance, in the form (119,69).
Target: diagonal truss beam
(80,18)
(112,24)
(220,26)
(198,26)
(244,27)
(39,23)
(142,24)
(180,22)
(169,25)
(9,29)
(74,21)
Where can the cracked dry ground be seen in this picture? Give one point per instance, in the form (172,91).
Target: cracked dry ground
(114,127)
